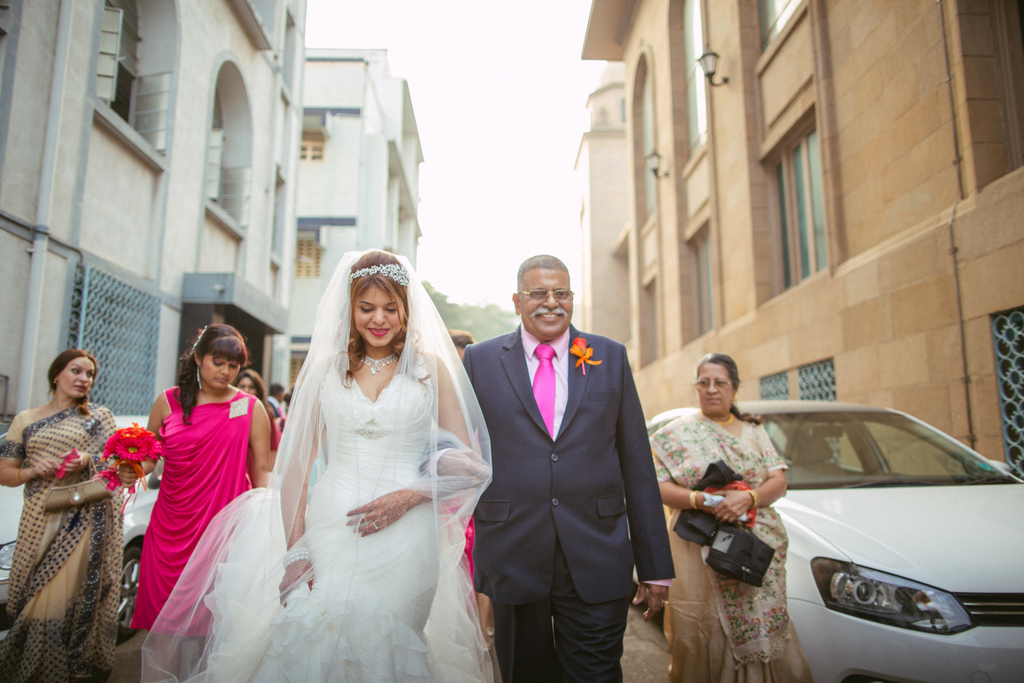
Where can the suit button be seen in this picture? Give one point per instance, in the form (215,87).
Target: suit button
(554,501)
(554,457)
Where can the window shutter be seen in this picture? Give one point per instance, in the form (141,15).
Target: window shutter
(106,67)
(214,156)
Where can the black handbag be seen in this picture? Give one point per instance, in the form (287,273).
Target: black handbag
(738,554)
(695,526)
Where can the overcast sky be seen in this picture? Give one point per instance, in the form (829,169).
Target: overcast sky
(500,95)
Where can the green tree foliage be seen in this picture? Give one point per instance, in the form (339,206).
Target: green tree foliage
(483,322)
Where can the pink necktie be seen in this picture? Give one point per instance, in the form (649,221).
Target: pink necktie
(544,386)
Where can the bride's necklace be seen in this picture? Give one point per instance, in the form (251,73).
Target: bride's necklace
(376,365)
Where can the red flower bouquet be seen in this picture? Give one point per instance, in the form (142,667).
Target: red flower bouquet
(129,446)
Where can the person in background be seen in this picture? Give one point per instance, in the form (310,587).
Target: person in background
(275,399)
(216,445)
(63,594)
(461,339)
(250,382)
(725,630)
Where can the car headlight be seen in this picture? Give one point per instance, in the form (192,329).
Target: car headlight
(6,555)
(871,594)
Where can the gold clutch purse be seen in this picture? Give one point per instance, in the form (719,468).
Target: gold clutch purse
(63,497)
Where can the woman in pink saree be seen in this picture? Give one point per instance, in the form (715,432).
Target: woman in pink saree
(216,443)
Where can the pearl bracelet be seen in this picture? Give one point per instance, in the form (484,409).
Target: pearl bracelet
(295,555)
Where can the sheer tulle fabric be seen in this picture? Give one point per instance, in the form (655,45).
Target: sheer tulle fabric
(391,606)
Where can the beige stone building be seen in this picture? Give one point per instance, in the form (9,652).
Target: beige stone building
(843,215)
(148,154)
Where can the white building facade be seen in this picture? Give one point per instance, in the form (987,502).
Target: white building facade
(148,159)
(358,174)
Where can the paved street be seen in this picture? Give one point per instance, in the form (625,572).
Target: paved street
(645,659)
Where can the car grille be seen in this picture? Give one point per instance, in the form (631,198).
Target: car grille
(994,609)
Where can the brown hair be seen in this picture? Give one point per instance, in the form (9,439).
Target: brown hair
(61,362)
(258,391)
(398,293)
(461,338)
(219,341)
(729,364)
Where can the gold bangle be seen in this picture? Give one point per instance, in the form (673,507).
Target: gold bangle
(693,500)
(753,494)
(19,476)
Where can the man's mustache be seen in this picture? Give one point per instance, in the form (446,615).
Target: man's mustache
(544,310)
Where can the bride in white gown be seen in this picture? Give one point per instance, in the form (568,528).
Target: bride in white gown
(384,456)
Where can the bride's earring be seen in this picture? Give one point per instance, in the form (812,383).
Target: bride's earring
(199,381)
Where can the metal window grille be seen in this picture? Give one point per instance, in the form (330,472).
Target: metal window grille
(775,387)
(1008,337)
(120,326)
(307,258)
(817,381)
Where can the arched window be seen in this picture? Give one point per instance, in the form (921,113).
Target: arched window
(696,95)
(229,153)
(643,139)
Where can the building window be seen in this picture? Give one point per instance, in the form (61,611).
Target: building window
(801,211)
(774,15)
(696,95)
(775,387)
(307,258)
(229,149)
(701,255)
(136,82)
(1008,337)
(817,381)
(643,140)
(312,148)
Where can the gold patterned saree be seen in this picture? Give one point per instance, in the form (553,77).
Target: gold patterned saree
(65,577)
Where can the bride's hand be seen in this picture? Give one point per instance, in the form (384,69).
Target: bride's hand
(292,574)
(380,513)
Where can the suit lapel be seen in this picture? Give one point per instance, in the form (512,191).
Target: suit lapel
(577,386)
(514,362)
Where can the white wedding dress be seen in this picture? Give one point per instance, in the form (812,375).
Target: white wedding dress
(365,618)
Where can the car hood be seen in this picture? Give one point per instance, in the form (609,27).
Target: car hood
(963,539)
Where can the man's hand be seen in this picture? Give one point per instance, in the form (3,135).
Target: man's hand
(655,595)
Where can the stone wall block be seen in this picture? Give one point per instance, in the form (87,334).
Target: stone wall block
(857,374)
(981,360)
(944,358)
(976,35)
(993,282)
(821,339)
(867,324)
(926,305)
(861,284)
(900,362)
(918,260)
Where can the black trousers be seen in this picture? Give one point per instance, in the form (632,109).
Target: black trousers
(560,639)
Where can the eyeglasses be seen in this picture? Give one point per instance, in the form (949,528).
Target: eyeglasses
(705,384)
(538,295)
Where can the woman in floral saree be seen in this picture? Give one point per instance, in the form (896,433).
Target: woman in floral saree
(65,575)
(723,630)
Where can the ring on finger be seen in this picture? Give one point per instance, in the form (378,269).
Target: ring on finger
(375,525)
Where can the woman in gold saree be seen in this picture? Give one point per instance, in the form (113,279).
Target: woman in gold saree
(723,630)
(65,576)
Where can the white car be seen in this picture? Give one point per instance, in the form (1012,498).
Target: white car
(906,556)
(136,519)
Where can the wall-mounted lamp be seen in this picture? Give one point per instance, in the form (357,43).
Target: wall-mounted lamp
(709,65)
(653,161)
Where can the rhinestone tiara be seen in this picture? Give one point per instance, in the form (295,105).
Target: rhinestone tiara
(392,270)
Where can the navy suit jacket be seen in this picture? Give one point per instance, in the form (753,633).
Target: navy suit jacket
(584,485)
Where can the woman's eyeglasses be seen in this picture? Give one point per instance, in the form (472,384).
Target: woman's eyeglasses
(538,295)
(705,384)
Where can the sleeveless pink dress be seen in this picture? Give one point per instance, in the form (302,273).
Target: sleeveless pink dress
(204,470)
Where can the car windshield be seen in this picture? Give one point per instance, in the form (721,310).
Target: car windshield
(853,449)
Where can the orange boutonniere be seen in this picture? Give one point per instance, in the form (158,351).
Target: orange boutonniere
(579,348)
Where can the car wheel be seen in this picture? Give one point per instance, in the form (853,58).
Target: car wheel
(129,591)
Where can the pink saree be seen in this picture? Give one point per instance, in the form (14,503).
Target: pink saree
(205,468)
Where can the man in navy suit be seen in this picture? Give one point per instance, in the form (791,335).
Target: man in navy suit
(574,501)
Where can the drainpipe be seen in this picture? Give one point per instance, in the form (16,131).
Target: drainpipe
(41,231)
(957,161)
